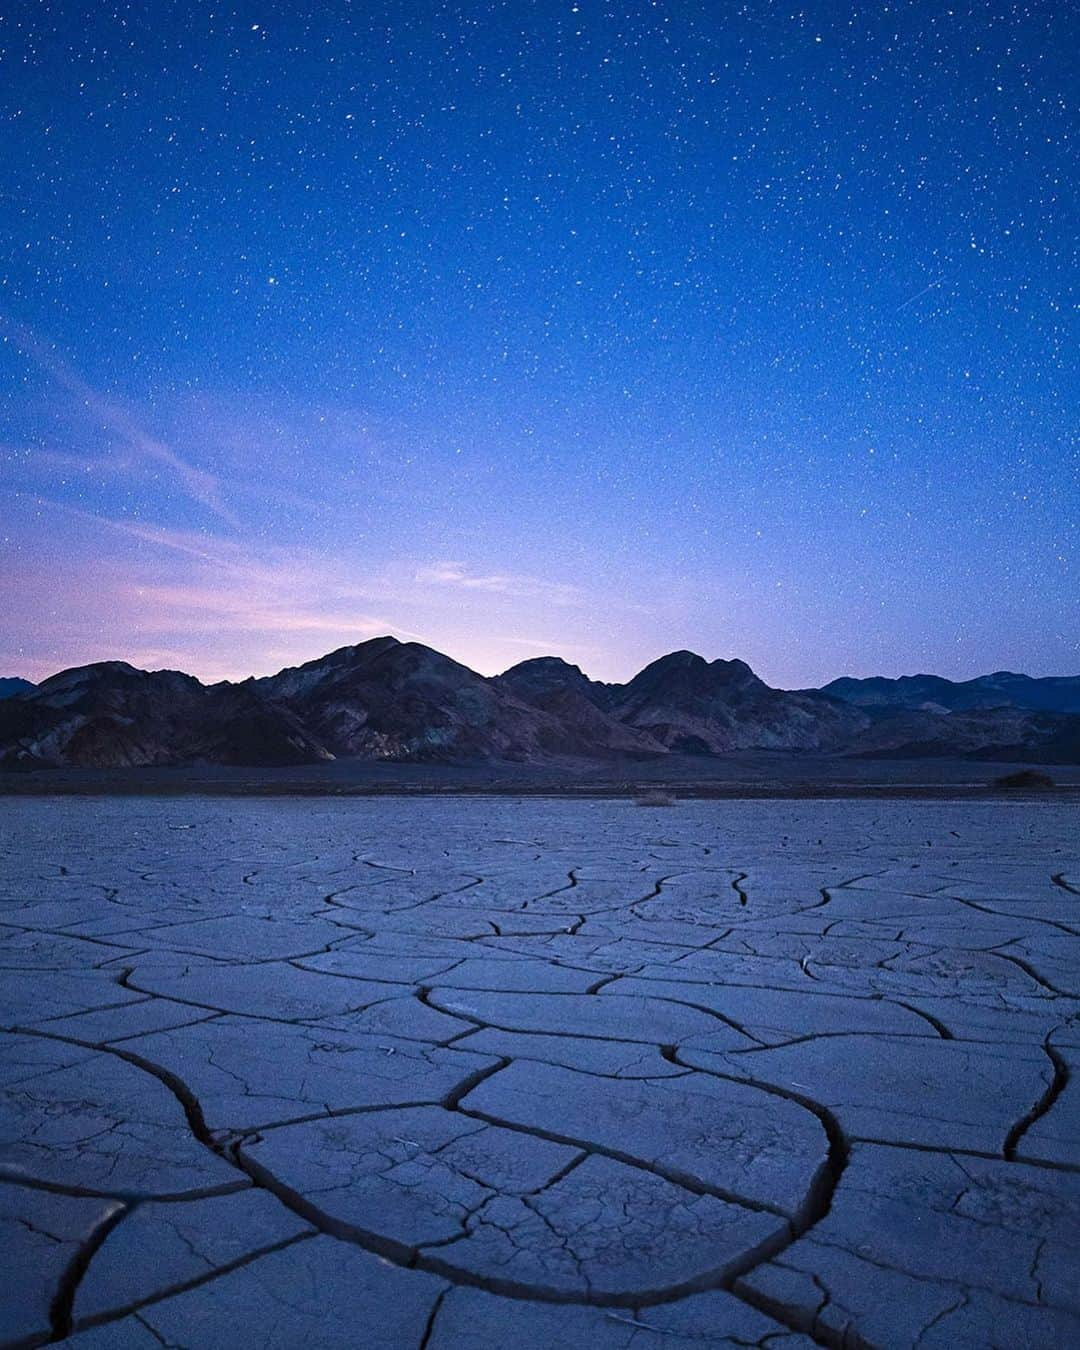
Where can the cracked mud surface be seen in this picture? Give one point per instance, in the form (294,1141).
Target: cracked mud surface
(432,1074)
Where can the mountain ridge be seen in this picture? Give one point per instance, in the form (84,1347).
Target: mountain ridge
(1002,688)
(383,699)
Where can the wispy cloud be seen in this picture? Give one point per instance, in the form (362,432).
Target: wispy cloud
(224,607)
(458,575)
(208,548)
(255,611)
(150,593)
(197,484)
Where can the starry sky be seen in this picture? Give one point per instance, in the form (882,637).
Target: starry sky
(539,326)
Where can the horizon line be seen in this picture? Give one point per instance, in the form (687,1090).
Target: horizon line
(676,651)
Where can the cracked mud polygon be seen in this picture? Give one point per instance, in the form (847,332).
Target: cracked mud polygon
(431,1074)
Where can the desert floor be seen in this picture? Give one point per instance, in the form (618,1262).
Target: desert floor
(409,1073)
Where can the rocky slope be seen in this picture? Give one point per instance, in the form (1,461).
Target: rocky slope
(688,705)
(386,699)
(709,707)
(541,677)
(111,715)
(391,700)
(981,733)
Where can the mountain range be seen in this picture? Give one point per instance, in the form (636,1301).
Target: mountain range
(390,700)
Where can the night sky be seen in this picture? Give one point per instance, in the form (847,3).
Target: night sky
(593,329)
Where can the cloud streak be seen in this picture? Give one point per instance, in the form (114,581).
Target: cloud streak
(459,576)
(223,608)
(197,484)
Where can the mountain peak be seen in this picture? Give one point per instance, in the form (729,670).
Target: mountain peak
(11,686)
(541,678)
(680,658)
(552,663)
(687,665)
(343,656)
(292,680)
(74,676)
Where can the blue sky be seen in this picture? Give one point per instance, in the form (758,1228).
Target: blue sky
(597,329)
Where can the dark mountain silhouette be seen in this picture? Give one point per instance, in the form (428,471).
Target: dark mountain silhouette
(112,715)
(11,685)
(391,700)
(710,707)
(981,733)
(1055,694)
(686,704)
(386,699)
(581,705)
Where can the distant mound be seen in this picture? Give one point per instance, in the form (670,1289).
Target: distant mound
(1027,780)
(1004,689)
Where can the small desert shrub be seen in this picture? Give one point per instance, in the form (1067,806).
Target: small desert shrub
(654,799)
(1025,778)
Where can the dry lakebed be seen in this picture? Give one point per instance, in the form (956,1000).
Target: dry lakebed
(474,1073)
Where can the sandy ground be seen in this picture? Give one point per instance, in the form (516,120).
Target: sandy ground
(753,774)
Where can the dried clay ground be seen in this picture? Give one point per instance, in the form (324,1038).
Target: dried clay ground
(475,1073)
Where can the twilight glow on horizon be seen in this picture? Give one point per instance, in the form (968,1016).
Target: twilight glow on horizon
(567,327)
